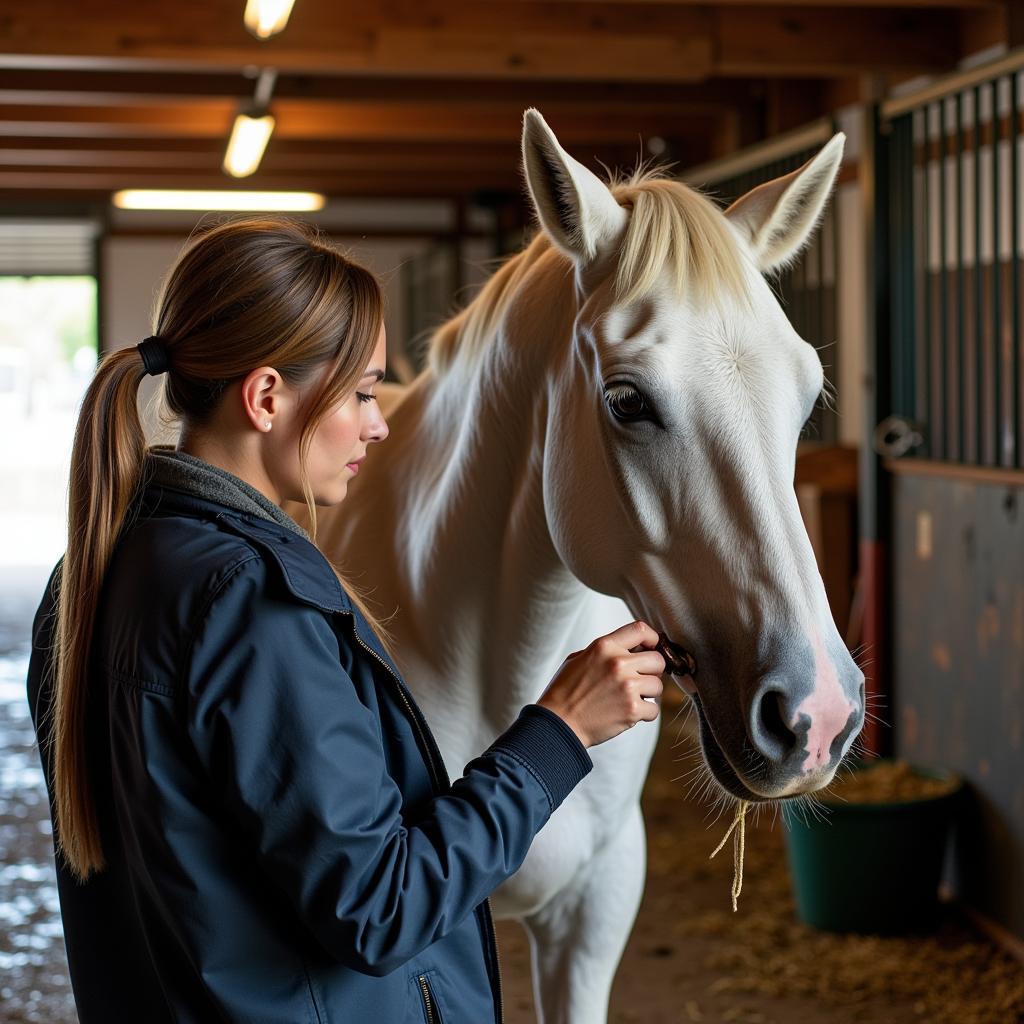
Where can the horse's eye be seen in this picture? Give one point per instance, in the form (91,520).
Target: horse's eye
(625,402)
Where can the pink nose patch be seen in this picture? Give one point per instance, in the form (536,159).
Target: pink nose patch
(827,706)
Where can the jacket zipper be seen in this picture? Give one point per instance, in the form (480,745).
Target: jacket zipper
(497,958)
(435,779)
(428,999)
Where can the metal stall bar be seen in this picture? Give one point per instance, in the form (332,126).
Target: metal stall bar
(958,373)
(947,426)
(978,426)
(996,347)
(928,390)
(894,199)
(918,214)
(1017,428)
(904,138)
(966,354)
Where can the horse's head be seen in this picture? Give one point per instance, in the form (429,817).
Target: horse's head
(673,423)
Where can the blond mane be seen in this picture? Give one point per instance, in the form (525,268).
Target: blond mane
(672,227)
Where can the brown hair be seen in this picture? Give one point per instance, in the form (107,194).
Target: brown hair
(242,294)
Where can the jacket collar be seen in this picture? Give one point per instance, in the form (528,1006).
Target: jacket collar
(305,571)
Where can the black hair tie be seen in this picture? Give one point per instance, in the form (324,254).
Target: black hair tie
(154,355)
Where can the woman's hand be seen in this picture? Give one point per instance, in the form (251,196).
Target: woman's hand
(600,690)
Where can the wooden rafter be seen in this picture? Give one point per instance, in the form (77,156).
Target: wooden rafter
(205,118)
(92,87)
(497,39)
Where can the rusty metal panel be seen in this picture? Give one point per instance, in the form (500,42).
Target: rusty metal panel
(958,661)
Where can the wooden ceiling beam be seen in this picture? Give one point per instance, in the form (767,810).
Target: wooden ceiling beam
(497,39)
(818,42)
(204,148)
(204,163)
(300,119)
(103,88)
(400,168)
(299,166)
(29,183)
(17,202)
(297,156)
(332,183)
(432,38)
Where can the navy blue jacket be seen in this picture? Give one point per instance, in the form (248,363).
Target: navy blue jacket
(282,841)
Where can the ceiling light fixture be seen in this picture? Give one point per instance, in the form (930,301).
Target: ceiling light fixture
(265,18)
(249,137)
(251,130)
(210,199)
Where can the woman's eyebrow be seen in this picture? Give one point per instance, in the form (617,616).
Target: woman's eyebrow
(379,374)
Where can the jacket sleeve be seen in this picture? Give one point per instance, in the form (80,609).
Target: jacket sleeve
(299,759)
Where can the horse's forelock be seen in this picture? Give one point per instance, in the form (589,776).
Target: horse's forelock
(672,227)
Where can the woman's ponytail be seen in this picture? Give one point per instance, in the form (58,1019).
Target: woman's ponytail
(106,467)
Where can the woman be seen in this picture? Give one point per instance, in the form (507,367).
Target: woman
(252,821)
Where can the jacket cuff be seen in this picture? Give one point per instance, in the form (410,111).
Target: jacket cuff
(547,745)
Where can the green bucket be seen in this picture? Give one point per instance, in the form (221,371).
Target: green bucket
(872,868)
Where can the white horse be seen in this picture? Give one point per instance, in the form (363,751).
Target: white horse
(608,432)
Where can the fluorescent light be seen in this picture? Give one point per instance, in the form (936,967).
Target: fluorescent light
(226,199)
(249,137)
(265,18)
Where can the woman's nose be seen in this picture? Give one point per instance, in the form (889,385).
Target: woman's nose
(376,427)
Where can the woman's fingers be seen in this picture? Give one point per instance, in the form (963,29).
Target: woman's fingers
(649,662)
(648,710)
(650,686)
(635,634)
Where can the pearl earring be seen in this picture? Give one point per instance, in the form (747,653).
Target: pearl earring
(267,424)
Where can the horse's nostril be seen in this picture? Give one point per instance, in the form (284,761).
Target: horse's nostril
(773,738)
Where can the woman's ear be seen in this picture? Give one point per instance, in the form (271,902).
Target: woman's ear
(573,205)
(778,218)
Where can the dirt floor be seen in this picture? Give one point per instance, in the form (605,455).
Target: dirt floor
(690,958)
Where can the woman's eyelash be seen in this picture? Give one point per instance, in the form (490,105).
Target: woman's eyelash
(365,398)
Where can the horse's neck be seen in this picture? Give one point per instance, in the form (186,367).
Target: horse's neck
(451,530)
(486,540)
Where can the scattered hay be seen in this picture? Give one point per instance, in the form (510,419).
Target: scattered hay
(948,976)
(766,958)
(885,783)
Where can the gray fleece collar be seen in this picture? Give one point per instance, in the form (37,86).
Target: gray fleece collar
(169,467)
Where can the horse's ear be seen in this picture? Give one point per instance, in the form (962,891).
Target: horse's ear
(574,206)
(779,217)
